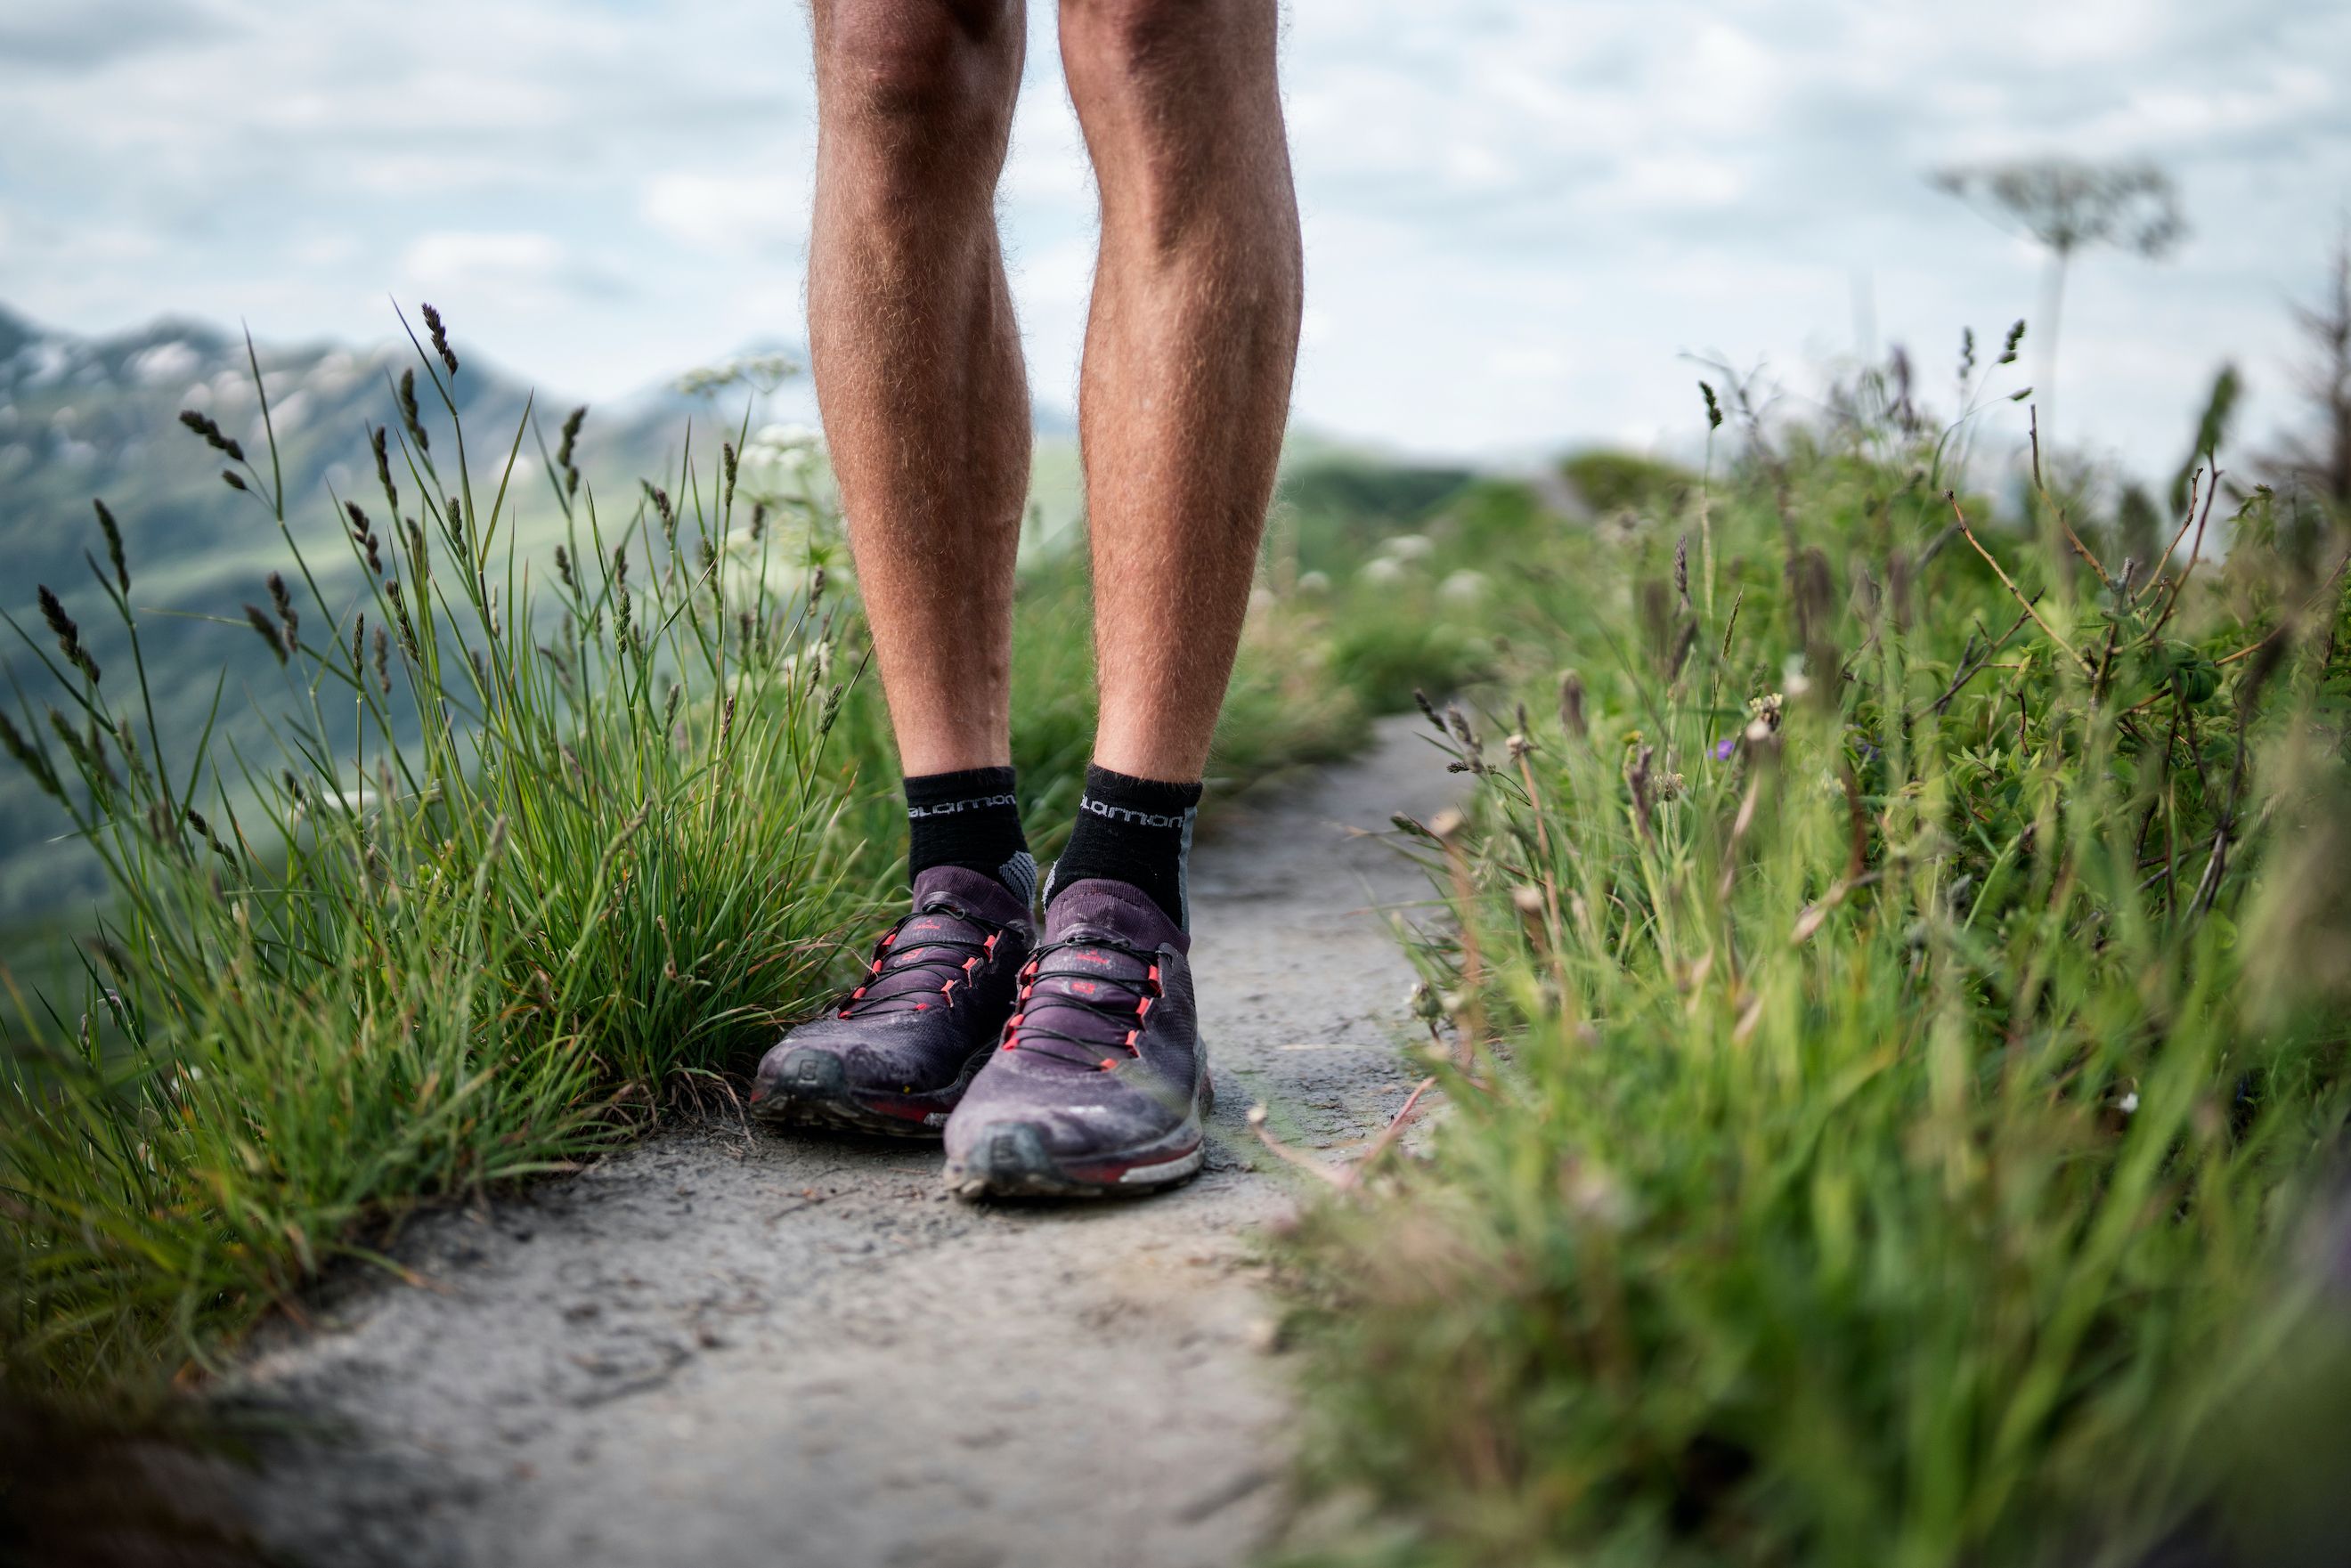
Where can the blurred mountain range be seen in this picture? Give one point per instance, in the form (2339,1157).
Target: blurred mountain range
(84,417)
(97,416)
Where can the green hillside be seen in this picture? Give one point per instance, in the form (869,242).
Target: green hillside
(84,418)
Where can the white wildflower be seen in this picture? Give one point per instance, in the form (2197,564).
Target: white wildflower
(1463,587)
(795,448)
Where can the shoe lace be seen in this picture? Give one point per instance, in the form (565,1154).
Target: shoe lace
(956,958)
(1121,1011)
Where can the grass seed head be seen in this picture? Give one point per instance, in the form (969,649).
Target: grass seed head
(1570,704)
(204,426)
(440,335)
(53,611)
(380,445)
(68,634)
(409,414)
(1428,709)
(30,758)
(269,631)
(284,604)
(363,535)
(113,532)
(665,511)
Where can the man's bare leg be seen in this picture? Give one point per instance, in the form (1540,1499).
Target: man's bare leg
(1185,390)
(1189,350)
(917,362)
(919,372)
(1103,1086)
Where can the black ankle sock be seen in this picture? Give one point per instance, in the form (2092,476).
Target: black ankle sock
(1134,830)
(971,820)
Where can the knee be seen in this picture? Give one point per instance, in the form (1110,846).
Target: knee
(1131,46)
(949,68)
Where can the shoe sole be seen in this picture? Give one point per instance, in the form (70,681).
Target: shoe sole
(1011,1161)
(813,1091)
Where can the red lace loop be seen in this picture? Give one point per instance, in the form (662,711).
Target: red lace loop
(1121,1001)
(957,957)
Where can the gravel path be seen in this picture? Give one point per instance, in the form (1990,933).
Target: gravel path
(731,1347)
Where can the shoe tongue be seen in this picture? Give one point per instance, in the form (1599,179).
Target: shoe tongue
(945,900)
(1109,976)
(969,891)
(1099,906)
(1105,977)
(919,938)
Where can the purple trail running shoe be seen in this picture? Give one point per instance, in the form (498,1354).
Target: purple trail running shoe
(1101,1083)
(895,1054)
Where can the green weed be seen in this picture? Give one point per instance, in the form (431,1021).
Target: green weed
(528,852)
(554,835)
(1896,1016)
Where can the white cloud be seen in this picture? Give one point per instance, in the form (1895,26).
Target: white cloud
(740,212)
(497,260)
(1517,213)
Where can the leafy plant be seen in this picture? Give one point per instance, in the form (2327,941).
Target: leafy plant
(525,855)
(541,844)
(1894,1018)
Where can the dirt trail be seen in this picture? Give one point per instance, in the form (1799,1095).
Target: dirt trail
(726,1348)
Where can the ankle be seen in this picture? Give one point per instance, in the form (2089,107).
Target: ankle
(969,819)
(1134,830)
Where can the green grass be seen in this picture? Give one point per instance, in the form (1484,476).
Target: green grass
(534,845)
(1890,1043)
(1622,481)
(407,971)
(200,546)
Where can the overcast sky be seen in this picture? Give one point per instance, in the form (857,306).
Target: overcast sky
(1519,213)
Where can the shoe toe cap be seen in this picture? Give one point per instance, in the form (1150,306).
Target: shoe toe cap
(1080,1127)
(998,1151)
(795,1067)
